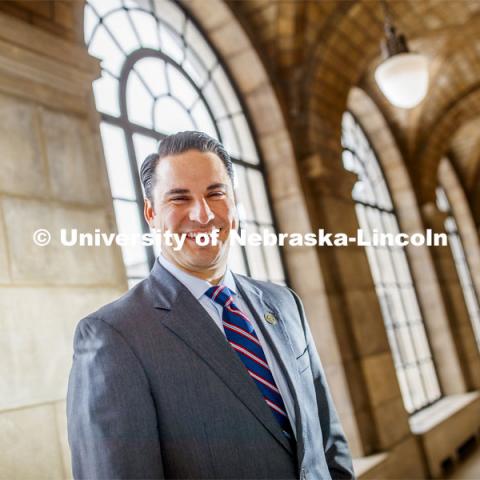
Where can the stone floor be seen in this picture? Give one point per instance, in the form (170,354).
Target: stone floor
(469,467)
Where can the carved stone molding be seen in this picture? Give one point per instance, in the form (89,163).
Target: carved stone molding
(37,65)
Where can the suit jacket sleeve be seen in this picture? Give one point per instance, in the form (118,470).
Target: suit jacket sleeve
(112,424)
(335,444)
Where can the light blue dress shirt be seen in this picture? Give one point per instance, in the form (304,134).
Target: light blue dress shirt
(198,287)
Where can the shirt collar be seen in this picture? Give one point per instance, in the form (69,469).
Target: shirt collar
(195,285)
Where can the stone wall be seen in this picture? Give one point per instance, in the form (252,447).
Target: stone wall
(52,175)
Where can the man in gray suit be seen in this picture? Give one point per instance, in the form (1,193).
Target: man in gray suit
(197,372)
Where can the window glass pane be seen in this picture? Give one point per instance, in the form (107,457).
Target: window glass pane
(404,389)
(406,344)
(144,146)
(236,261)
(226,90)
(383,196)
(152,71)
(146,28)
(203,120)
(197,42)
(229,139)
(368,195)
(195,68)
(397,307)
(262,207)
(90,21)
(139,101)
(171,117)
(360,192)
(214,100)
(416,387)
(348,160)
(169,12)
(457,248)
(249,152)
(433,390)
(373,261)
(387,304)
(244,201)
(274,262)
(463,270)
(390,223)
(121,28)
(171,43)
(128,222)
(106,94)
(104,6)
(442,201)
(363,220)
(401,267)
(103,47)
(255,257)
(392,338)
(116,157)
(450,225)
(180,87)
(420,339)
(413,310)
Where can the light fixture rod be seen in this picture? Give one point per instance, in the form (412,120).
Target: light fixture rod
(393,43)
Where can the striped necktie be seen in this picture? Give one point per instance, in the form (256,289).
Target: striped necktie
(243,339)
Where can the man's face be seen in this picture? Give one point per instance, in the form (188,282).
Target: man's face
(193,194)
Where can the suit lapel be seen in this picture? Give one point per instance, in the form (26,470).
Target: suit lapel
(279,341)
(189,321)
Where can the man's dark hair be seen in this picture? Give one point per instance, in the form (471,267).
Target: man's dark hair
(179,143)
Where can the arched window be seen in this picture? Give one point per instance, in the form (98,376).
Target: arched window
(160,75)
(461,264)
(390,271)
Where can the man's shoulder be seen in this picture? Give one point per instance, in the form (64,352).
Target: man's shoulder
(128,307)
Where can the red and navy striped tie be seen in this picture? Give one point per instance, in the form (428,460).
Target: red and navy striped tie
(243,339)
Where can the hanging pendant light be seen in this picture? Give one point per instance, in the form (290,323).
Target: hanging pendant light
(403,75)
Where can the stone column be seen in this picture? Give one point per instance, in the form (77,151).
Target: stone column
(360,330)
(53,176)
(459,320)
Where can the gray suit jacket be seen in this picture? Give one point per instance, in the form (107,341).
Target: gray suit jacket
(156,391)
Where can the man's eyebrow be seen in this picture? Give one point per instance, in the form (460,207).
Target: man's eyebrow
(214,186)
(177,191)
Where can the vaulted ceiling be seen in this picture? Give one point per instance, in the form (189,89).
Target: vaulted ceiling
(317,50)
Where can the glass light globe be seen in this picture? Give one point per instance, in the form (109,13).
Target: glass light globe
(403,79)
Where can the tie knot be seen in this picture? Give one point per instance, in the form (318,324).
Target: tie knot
(220,294)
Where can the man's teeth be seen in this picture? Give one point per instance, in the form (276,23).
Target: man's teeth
(194,234)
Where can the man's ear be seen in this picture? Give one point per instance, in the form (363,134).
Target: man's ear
(148,211)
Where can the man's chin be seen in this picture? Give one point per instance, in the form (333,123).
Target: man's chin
(198,259)
(203,260)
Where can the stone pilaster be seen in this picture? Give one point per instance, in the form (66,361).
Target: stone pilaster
(359,326)
(462,333)
(53,176)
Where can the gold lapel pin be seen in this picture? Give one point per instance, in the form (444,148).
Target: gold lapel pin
(270,318)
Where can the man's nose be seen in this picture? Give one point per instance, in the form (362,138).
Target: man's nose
(201,212)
